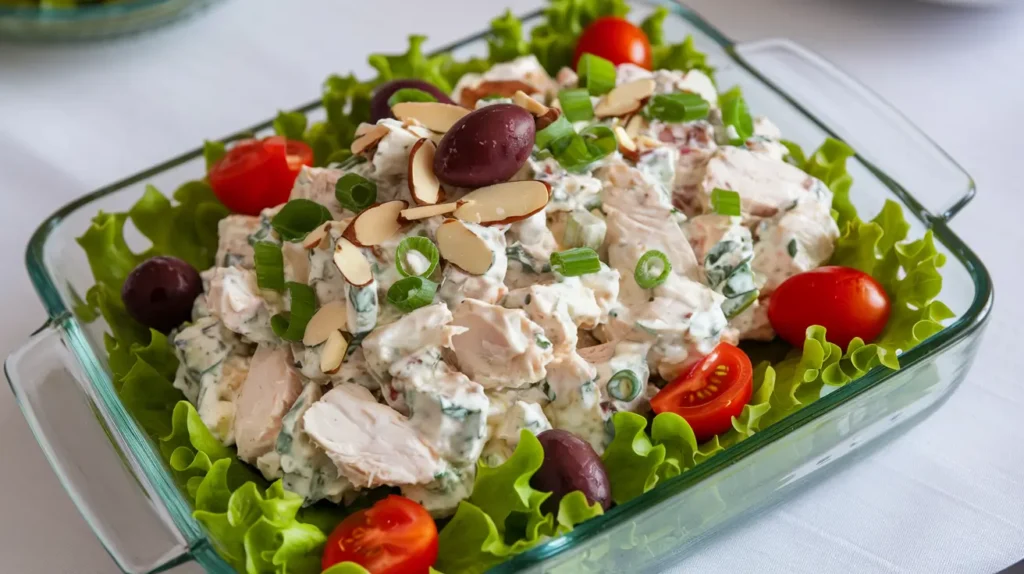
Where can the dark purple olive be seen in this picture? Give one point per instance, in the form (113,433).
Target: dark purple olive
(486,146)
(570,464)
(160,291)
(379,107)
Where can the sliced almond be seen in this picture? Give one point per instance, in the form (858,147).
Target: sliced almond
(376,224)
(333,353)
(435,116)
(424,186)
(463,248)
(502,88)
(369,139)
(414,213)
(317,237)
(627,147)
(531,105)
(329,318)
(503,202)
(363,127)
(625,99)
(547,119)
(352,263)
(634,125)
(646,142)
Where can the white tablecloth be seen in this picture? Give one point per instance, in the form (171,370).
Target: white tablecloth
(946,497)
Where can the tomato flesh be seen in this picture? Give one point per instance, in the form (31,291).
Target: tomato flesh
(394,536)
(847,302)
(711,393)
(257,174)
(617,40)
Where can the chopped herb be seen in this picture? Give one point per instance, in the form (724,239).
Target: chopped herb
(791,248)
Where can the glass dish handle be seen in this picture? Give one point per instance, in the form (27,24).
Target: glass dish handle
(91,466)
(885,139)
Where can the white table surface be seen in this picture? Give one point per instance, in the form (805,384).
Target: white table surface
(946,497)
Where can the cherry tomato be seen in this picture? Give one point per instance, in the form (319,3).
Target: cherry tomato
(617,40)
(256,174)
(711,393)
(395,536)
(847,302)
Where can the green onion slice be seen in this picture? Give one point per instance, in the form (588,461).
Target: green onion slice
(571,151)
(354,192)
(554,132)
(291,326)
(678,107)
(652,269)
(298,217)
(411,293)
(624,385)
(576,105)
(600,141)
(596,73)
(736,114)
(575,262)
(725,202)
(410,95)
(269,265)
(422,246)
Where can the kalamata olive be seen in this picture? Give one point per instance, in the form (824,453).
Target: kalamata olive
(486,146)
(570,464)
(379,107)
(160,291)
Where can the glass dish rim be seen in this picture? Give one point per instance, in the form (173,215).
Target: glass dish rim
(86,12)
(969,322)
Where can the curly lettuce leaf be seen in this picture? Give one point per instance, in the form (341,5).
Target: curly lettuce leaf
(682,56)
(291,125)
(631,459)
(554,41)
(143,376)
(412,64)
(213,151)
(828,163)
(506,40)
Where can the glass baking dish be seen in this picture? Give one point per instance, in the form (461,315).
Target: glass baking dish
(120,484)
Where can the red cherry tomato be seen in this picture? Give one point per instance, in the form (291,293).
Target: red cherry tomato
(617,40)
(395,536)
(847,302)
(713,392)
(256,174)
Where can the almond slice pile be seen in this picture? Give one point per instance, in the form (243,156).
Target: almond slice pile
(627,147)
(503,202)
(425,211)
(333,354)
(352,263)
(424,186)
(434,116)
(369,139)
(329,318)
(463,248)
(625,99)
(376,224)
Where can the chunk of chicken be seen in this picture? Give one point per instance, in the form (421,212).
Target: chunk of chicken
(233,247)
(670,81)
(576,400)
(372,444)
(269,390)
(797,240)
(614,357)
(457,285)
(526,69)
(569,191)
(559,308)
(500,347)
(429,326)
(235,299)
(752,323)
(317,184)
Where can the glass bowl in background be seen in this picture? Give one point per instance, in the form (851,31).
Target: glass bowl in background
(48,20)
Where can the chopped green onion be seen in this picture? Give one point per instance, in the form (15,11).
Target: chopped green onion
(678,107)
(738,303)
(354,192)
(411,293)
(584,229)
(554,132)
(652,269)
(338,157)
(575,262)
(736,114)
(596,73)
(291,326)
(600,141)
(725,202)
(576,105)
(624,385)
(298,217)
(422,246)
(269,265)
(571,151)
(410,95)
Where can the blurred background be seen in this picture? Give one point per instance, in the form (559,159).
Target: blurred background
(943,498)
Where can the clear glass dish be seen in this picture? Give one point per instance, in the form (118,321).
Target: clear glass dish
(120,484)
(27,21)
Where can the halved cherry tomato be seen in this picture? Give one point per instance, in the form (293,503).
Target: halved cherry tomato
(256,174)
(617,40)
(711,393)
(847,302)
(394,536)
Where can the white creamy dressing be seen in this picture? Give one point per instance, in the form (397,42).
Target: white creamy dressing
(422,396)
